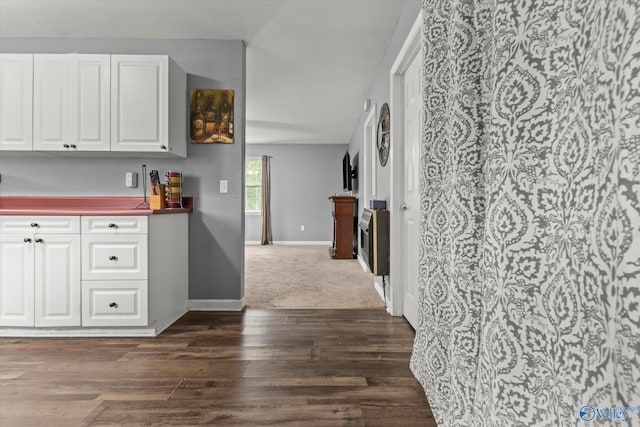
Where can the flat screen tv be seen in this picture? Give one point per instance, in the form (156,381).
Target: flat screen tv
(346,173)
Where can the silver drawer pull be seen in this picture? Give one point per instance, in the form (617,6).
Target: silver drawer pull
(113,258)
(27,240)
(112,225)
(73,146)
(65,145)
(34,224)
(113,305)
(38,240)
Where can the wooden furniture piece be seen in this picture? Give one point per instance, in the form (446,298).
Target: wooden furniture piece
(344,221)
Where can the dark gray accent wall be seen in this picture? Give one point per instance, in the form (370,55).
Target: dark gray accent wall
(303,176)
(380,93)
(216,227)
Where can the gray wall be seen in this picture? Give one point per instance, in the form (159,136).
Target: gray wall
(216,229)
(303,176)
(380,93)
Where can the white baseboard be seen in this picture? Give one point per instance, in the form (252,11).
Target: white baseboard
(77,332)
(216,304)
(303,242)
(378,287)
(363,264)
(294,242)
(160,327)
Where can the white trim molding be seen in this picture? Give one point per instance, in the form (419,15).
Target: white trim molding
(294,242)
(411,47)
(216,304)
(111,332)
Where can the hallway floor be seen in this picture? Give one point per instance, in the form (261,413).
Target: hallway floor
(257,367)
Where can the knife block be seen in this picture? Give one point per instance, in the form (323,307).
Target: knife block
(157,201)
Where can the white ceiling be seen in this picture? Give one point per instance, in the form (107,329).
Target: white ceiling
(310,63)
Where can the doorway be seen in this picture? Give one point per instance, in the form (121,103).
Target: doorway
(406,121)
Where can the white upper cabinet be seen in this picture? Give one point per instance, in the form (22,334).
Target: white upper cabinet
(16,93)
(148,105)
(71,102)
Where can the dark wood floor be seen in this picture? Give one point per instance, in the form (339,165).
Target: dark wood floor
(260,367)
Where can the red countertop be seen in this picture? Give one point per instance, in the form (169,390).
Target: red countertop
(79,205)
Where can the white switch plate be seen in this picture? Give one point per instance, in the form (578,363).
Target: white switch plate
(302,228)
(224,186)
(131,179)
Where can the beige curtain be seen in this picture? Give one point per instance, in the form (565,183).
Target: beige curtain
(266,238)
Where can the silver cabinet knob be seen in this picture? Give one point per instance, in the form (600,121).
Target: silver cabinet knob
(39,240)
(113,305)
(27,240)
(403,206)
(113,258)
(112,225)
(34,224)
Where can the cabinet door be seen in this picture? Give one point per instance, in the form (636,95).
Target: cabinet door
(16,280)
(91,125)
(71,102)
(57,280)
(139,103)
(16,104)
(52,106)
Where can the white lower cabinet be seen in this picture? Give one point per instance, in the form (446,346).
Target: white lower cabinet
(114,271)
(16,281)
(57,280)
(114,303)
(39,271)
(93,275)
(119,257)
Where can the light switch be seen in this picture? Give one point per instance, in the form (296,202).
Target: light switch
(224,186)
(131,179)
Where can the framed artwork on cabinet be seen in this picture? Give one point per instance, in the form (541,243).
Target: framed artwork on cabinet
(211,116)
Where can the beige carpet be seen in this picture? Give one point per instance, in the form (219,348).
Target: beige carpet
(278,276)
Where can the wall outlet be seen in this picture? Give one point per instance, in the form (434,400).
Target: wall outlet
(131,179)
(224,186)
(302,228)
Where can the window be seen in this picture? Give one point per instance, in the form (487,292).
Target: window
(253,186)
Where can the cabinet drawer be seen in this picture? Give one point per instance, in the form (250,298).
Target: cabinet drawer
(114,224)
(114,303)
(39,224)
(120,257)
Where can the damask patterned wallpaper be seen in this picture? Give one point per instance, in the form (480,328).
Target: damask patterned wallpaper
(530,231)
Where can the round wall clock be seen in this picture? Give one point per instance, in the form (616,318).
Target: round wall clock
(383,140)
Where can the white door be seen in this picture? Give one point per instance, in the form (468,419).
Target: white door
(139,102)
(411,194)
(16,101)
(57,280)
(16,280)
